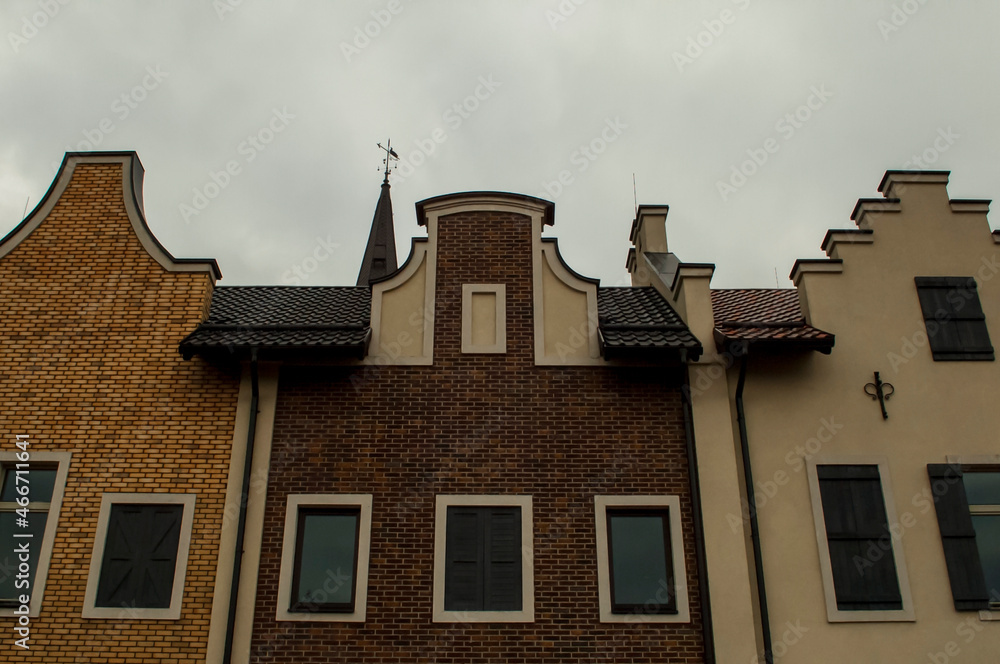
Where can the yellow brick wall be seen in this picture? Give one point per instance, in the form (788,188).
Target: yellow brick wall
(89,330)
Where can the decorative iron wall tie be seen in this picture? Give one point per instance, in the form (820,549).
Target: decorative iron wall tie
(881,392)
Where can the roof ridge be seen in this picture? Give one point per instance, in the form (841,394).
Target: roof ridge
(241,327)
(744,290)
(765,324)
(291,287)
(643,326)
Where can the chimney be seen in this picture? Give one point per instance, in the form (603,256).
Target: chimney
(649,240)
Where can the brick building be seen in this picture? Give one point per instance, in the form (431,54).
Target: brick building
(479,455)
(123,435)
(462,430)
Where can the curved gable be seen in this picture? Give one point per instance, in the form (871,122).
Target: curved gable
(132,174)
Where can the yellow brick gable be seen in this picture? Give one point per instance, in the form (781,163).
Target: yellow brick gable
(90,322)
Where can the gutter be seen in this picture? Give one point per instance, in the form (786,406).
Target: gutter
(741,418)
(699,532)
(227,656)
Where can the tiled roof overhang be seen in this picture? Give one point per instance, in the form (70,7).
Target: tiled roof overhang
(638,323)
(284,321)
(766,319)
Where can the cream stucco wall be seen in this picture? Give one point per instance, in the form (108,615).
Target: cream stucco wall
(813,404)
(404,309)
(735,619)
(565,314)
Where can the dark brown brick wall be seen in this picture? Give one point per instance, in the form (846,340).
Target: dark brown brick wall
(490,424)
(89,330)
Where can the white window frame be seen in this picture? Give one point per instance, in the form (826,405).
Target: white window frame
(833,614)
(62,462)
(172,612)
(527,612)
(500,290)
(294,502)
(673,505)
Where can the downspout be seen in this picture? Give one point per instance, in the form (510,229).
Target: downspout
(741,419)
(227,655)
(699,531)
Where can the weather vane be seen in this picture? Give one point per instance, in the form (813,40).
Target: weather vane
(390,158)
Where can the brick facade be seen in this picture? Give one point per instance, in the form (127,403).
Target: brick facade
(89,330)
(479,424)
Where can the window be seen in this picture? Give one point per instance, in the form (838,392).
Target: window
(44,477)
(956,325)
(967,501)
(864,573)
(482,559)
(324,559)
(140,556)
(983,492)
(640,565)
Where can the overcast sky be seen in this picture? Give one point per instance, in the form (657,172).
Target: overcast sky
(565,100)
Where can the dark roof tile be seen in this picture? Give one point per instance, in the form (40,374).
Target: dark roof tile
(291,317)
(252,306)
(641,319)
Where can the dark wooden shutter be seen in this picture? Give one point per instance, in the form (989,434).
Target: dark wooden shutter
(140,556)
(965,570)
(959,329)
(464,559)
(503,566)
(861,556)
(483,559)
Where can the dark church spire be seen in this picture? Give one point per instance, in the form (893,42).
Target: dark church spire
(380,254)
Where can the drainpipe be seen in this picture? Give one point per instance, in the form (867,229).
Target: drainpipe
(699,531)
(741,418)
(227,656)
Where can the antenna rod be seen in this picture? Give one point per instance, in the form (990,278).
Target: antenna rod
(635,196)
(25,213)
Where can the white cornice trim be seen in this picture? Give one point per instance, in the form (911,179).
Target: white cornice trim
(967,206)
(481,202)
(892,178)
(846,237)
(827,266)
(690,271)
(873,207)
